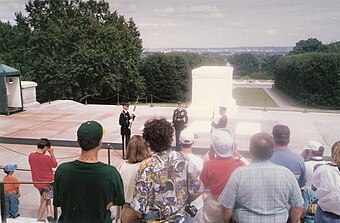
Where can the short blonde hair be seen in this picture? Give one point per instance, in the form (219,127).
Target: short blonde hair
(335,153)
(137,151)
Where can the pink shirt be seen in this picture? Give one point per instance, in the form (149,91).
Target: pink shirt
(216,173)
(41,168)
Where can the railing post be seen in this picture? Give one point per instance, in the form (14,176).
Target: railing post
(151,101)
(55,210)
(306,105)
(3,203)
(108,154)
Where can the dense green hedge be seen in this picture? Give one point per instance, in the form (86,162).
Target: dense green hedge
(311,76)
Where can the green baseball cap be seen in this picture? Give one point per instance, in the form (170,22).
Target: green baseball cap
(90,130)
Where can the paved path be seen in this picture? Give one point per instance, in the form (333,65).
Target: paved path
(281,102)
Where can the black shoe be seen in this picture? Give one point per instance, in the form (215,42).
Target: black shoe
(15,216)
(50,219)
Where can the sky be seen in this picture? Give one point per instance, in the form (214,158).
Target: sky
(221,23)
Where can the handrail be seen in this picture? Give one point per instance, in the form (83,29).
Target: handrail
(2,191)
(3,203)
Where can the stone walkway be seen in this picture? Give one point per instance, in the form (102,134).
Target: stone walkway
(281,102)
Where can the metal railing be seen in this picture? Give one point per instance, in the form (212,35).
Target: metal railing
(108,147)
(3,203)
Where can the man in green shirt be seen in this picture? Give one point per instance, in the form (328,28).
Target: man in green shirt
(86,188)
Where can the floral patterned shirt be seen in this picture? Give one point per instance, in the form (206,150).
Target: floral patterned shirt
(162,185)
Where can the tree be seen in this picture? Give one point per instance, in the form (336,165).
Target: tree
(333,47)
(167,76)
(76,48)
(312,76)
(244,63)
(307,46)
(12,45)
(267,64)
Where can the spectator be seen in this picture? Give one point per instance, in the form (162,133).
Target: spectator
(261,191)
(41,170)
(326,183)
(187,139)
(86,188)
(309,205)
(314,150)
(284,157)
(166,180)
(313,156)
(309,200)
(12,192)
(216,172)
(136,153)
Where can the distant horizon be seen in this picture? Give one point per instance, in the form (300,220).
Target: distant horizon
(231,47)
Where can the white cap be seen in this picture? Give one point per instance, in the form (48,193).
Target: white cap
(222,142)
(224,107)
(187,137)
(314,145)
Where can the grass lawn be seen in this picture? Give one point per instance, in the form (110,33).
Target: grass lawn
(255,97)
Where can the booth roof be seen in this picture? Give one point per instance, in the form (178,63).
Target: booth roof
(8,71)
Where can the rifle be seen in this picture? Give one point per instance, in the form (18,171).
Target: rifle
(134,109)
(212,119)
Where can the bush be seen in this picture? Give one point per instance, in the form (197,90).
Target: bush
(311,76)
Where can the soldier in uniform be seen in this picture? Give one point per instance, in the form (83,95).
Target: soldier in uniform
(223,120)
(125,120)
(179,121)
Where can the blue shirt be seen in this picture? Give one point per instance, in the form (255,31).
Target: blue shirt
(294,162)
(308,198)
(261,192)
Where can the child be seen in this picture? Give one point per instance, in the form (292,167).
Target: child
(309,205)
(11,192)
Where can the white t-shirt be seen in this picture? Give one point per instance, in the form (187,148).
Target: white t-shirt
(326,179)
(128,171)
(310,169)
(198,162)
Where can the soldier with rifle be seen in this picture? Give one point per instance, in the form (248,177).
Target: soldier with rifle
(223,120)
(125,121)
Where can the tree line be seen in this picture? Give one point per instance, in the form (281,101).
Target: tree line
(311,72)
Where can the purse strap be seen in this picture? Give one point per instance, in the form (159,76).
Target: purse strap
(187,181)
(331,164)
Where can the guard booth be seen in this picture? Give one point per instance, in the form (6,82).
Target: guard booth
(10,90)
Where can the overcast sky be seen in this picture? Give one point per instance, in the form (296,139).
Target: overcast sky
(222,23)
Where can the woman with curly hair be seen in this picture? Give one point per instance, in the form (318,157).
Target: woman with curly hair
(166,181)
(326,183)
